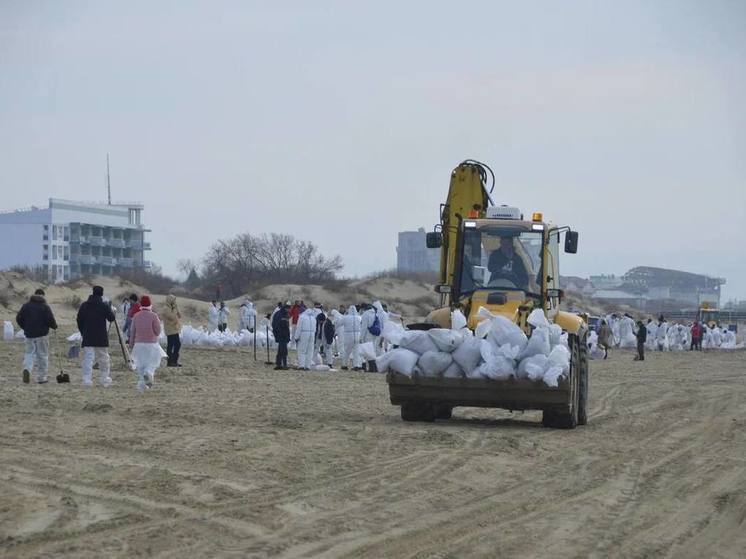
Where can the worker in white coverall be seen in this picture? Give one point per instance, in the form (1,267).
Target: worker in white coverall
(660,335)
(351,325)
(337,318)
(304,338)
(383,317)
(247,319)
(652,328)
(213,314)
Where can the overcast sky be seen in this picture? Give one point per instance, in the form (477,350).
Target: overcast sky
(339,122)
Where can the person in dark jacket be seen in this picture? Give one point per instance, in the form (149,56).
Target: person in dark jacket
(35,319)
(281,332)
(506,264)
(642,337)
(93,316)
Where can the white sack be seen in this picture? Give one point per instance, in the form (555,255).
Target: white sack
(383,360)
(560,357)
(321,368)
(537,344)
(434,363)
(75,338)
(367,351)
(503,331)
(446,340)
(392,332)
(533,367)
(402,361)
(555,334)
(551,377)
(483,328)
(499,369)
(468,355)
(458,320)
(537,319)
(20,335)
(453,371)
(418,341)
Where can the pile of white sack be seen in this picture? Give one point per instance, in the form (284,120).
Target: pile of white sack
(200,337)
(497,350)
(9,333)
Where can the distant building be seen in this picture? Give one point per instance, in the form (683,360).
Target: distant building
(412,255)
(72,239)
(660,284)
(606,281)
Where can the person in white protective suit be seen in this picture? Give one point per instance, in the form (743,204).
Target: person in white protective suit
(304,338)
(247,318)
(351,325)
(627,332)
(213,315)
(660,334)
(223,313)
(338,321)
(717,337)
(383,318)
(652,328)
(729,339)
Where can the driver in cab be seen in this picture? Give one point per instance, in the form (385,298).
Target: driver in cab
(505,264)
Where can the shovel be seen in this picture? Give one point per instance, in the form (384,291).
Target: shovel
(62,376)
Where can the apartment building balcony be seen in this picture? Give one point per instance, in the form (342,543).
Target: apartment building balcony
(87,259)
(116,243)
(125,262)
(107,261)
(96,241)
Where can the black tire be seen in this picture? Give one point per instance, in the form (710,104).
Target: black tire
(409,412)
(443,411)
(567,418)
(417,411)
(583,383)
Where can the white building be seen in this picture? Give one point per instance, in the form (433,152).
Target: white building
(72,239)
(412,254)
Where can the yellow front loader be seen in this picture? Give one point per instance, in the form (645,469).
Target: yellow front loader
(495,258)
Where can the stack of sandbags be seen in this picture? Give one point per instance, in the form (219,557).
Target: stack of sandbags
(498,350)
(191,336)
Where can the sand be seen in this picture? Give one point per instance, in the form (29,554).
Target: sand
(228,458)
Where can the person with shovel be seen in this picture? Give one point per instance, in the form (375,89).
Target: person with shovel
(92,319)
(35,319)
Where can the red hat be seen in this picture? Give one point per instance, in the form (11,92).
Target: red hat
(145,301)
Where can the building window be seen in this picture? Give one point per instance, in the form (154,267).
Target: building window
(54,252)
(45,257)
(67,252)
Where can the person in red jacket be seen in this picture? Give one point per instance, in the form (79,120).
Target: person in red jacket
(146,351)
(696,336)
(295,311)
(132,310)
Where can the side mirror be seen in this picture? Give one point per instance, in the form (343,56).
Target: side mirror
(556,293)
(571,242)
(434,239)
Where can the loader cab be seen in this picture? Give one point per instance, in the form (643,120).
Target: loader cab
(507,265)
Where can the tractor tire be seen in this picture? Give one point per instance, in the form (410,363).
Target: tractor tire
(567,418)
(583,381)
(417,411)
(443,411)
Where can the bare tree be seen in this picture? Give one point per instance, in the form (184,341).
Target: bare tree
(245,259)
